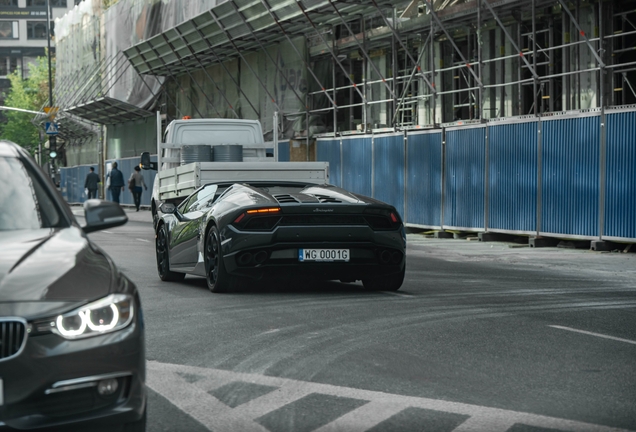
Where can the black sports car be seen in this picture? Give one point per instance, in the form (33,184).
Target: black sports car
(71,328)
(231,233)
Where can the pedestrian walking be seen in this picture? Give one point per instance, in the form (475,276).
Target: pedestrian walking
(116,182)
(91,182)
(135,182)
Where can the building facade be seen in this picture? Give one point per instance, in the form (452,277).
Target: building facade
(498,115)
(23,34)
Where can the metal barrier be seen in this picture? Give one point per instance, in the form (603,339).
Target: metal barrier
(570,175)
(465,178)
(388,170)
(127,166)
(619,209)
(72,181)
(330,150)
(564,175)
(424,160)
(513,176)
(357,164)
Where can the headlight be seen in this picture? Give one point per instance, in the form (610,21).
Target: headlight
(106,315)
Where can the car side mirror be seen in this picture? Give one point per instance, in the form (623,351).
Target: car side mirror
(102,215)
(146,163)
(168,208)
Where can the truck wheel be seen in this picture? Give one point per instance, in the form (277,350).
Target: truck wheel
(218,279)
(163,258)
(391,282)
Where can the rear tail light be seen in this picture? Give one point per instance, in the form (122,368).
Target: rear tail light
(259,219)
(380,218)
(264,210)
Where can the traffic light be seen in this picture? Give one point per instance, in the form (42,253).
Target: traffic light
(53,147)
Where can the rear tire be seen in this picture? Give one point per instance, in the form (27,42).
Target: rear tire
(219,281)
(163,258)
(391,282)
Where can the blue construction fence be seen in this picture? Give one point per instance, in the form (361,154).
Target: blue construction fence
(570,175)
(72,181)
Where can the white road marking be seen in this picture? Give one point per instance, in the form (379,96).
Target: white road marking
(107,232)
(143,240)
(594,334)
(194,399)
(393,293)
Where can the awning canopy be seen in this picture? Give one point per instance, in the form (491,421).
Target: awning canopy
(106,111)
(239,25)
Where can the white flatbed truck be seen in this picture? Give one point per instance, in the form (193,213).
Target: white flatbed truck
(174,181)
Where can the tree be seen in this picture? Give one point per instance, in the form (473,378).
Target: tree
(32,94)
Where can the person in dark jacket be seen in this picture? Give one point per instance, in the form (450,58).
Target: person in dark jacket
(91,182)
(116,182)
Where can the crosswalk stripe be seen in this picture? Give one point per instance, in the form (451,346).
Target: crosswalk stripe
(194,399)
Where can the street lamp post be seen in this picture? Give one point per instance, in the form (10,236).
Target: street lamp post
(52,138)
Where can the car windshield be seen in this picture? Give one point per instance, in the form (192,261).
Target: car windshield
(24,201)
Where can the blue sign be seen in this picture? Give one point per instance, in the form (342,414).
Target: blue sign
(51,128)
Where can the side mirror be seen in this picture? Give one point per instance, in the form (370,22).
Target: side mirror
(168,208)
(146,163)
(102,215)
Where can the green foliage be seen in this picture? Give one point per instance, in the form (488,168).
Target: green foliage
(31,94)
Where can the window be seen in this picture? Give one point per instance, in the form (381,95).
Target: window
(8,65)
(8,2)
(36,29)
(202,199)
(25,202)
(54,3)
(9,30)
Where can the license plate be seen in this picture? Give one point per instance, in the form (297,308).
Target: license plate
(323,255)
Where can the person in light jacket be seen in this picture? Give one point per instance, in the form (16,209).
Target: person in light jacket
(135,182)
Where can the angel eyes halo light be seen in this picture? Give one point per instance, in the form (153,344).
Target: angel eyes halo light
(106,315)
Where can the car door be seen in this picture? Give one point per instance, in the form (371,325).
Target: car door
(186,231)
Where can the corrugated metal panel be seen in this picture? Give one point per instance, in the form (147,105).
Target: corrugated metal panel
(357,165)
(512,176)
(464,185)
(620,186)
(126,166)
(72,182)
(283,151)
(424,179)
(388,170)
(570,176)
(328,150)
(64,174)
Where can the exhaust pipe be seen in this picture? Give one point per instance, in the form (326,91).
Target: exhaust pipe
(245,259)
(260,257)
(385,257)
(396,257)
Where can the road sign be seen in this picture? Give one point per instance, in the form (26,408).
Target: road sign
(51,128)
(51,111)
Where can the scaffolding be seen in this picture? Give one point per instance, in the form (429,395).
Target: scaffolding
(344,67)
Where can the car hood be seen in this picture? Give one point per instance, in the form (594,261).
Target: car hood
(43,270)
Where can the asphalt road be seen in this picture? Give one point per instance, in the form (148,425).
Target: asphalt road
(481,337)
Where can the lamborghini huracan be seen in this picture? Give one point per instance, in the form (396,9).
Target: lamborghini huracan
(234,233)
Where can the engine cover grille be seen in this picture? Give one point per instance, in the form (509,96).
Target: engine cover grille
(12,338)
